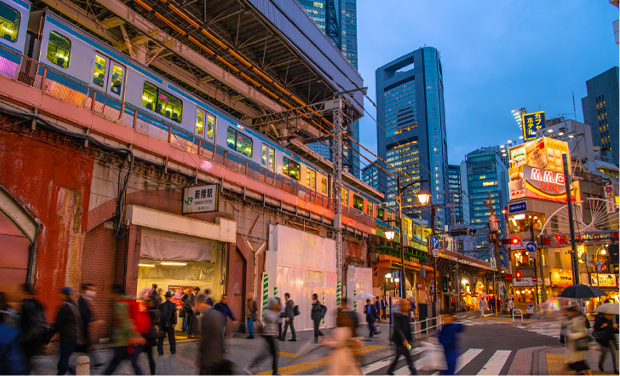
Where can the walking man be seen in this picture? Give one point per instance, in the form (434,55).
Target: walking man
(402,338)
(168,320)
(315,315)
(384,306)
(69,324)
(211,350)
(250,314)
(85,307)
(193,321)
(225,310)
(289,317)
(371,316)
(32,324)
(270,329)
(378,308)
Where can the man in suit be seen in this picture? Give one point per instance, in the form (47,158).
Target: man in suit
(378,308)
(402,338)
(289,317)
(211,348)
(193,321)
(384,306)
(168,320)
(371,316)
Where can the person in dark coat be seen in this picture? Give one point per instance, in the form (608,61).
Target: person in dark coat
(289,318)
(402,338)
(315,315)
(448,337)
(167,321)
(69,324)
(250,314)
(225,310)
(190,312)
(384,307)
(33,324)
(371,316)
(378,308)
(12,359)
(211,349)
(85,307)
(605,329)
(153,335)
(353,320)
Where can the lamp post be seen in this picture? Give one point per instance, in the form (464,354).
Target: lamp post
(425,199)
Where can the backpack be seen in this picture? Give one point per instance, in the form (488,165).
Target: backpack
(323,311)
(139,314)
(296,310)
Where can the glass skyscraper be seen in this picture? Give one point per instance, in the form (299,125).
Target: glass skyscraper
(411,130)
(347,24)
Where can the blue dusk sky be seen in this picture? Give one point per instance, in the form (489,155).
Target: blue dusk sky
(496,56)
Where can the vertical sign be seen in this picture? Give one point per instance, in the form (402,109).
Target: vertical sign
(609,195)
(533,123)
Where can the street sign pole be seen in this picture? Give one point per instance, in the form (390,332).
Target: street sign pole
(571,224)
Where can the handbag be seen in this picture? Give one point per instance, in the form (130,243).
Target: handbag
(581,344)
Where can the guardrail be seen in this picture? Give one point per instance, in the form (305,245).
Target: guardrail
(514,313)
(437,323)
(55,83)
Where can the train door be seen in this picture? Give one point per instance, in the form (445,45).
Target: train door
(108,77)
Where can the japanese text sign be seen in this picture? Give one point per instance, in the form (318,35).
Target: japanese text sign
(533,123)
(201,199)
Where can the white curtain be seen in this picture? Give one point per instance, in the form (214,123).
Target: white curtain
(160,246)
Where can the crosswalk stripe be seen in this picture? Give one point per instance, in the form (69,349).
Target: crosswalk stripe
(386,362)
(465,358)
(496,363)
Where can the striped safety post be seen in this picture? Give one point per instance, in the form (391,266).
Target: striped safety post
(265,290)
(275,291)
(354,300)
(338,292)
(323,304)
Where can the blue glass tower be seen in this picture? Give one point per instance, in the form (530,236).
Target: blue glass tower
(411,130)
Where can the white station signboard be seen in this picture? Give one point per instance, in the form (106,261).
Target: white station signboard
(201,199)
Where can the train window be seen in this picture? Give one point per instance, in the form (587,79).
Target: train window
(10,19)
(200,122)
(311,179)
(117,79)
(58,50)
(99,71)
(324,185)
(210,126)
(380,213)
(156,99)
(239,142)
(291,168)
(268,157)
(369,208)
(345,197)
(358,203)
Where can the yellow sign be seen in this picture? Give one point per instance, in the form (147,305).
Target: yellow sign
(562,278)
(545,153)
(580,251)
(603,280)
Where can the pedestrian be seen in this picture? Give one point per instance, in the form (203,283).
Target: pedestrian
(510,306)
(412,308)
(167,322)
(211,348)
(402,338)
(605,329)
(384,306)
(250,314)
(343,343)
(184,308)
(315,315)
(126,341)
(371,316)
(69,324)
(448,338)
(577,339)
(33,324)
(158,298)
(378,308)
(270,329)
(483,306)
(85,307)
(225,310)
(154,334)
(281,320)
(190,312)
(353,319)
(208,298)
(289,318)
(8,315)
(12,359)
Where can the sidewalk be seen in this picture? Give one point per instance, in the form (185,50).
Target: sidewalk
(551,360)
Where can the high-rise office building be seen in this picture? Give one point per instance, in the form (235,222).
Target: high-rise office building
(411,129)
(454,178)
(486,173)
(346,20)
(600,111)
(370,175)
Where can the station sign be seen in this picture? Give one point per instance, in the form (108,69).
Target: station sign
(532,123)
(201,199)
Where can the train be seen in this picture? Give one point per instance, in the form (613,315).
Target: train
(69,52)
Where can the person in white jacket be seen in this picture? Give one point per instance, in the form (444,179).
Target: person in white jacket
(483,306)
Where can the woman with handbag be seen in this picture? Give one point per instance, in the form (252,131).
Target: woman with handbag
(577,340)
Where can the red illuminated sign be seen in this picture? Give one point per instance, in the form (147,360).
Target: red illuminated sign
(546,176)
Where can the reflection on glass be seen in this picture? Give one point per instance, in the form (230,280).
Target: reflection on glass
(117,79)
(9,23)
(358,203)
(324,186)
(158,100)
(58,50)
(311,179)
(210,126)
(99,71)
(239,142)
(200,122)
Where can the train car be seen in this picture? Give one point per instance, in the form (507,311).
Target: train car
(14,15)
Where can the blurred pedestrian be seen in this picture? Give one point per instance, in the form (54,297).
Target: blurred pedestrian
(483,306)
(12,359)
(208,298)
(250,314)
(402,338)
(511,306)
(126,341)
(281,319)
(167,322)
(85,307)
(353,320)
(225,310)
(33,325)
(605,329)
(344,344)
(7,314)
(448,338)
(412,308)
(289,318)
(270,330)
(153,289)
(158,298)
(371,316)
(69,324)
(384,307)
(378,308)
(211,348)
(577,339)
(315,315)
(154,334)
(190,312)
(186,306)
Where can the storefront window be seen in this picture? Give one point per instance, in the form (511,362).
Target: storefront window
(520,222)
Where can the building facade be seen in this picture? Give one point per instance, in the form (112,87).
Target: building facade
(370,175)
(487,173)
(411,129)
(454,176)
(600,111)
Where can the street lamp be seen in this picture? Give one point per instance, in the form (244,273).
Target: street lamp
(390,234)
(424,196)
(425,199)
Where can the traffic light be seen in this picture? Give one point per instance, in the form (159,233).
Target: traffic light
(510,241)
(518,276)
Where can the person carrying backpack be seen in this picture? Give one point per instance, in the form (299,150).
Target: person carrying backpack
(32,322)
(316,316)
(126,340)
(289,317)
(69,324)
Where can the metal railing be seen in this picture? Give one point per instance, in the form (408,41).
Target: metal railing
(55,83)
(425,326)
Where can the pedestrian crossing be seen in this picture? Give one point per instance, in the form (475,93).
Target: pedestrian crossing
(479,321)
(545,328)
(493,365)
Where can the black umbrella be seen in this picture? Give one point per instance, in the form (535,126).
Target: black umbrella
(582,292)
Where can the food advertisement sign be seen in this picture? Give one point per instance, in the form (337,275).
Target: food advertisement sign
(536,170)
(603,280)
